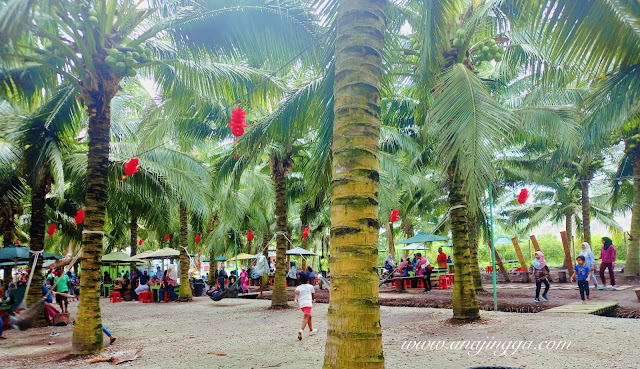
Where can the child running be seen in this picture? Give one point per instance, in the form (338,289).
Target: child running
(305,296)
(584,274)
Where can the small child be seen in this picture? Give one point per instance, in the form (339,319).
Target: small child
(584,274)
(305,296)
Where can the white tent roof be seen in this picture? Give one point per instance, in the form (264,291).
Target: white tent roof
(300,251)
(415,246)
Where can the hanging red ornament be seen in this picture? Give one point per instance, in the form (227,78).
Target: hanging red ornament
(17,242)
(305,233)
(523,195)
(166,238)
(395,216)
(79,218)
(249,236)
(130,167)
(197,238)
(140,242)
(237,122)
(52,229)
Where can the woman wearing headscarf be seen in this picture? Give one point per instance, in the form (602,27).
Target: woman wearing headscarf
(590,261)
(608,257)
(292,276)
(540,273)
(389,265)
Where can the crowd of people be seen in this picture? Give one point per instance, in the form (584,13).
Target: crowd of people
(131,285)
(584,270)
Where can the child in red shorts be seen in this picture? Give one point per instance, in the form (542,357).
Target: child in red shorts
(305,296)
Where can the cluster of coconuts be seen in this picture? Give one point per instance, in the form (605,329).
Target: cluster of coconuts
(490,51)
(123,61)
(461,36)
(633,141)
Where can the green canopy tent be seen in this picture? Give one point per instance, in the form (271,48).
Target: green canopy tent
(19,255)
(115,258)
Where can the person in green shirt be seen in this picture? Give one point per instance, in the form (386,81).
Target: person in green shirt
(324,268)
(62,287)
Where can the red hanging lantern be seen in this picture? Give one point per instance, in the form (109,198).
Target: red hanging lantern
(197,238)
(79,218)
(166,238)
(237,122)
(52,229)
(305,233)
(17,242)
(130,167)
(523,195)
(140,242)
(395,216)
(249,236)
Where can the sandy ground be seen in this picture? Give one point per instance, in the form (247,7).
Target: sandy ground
(183,335)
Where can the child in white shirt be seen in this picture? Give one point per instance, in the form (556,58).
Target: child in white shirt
(305,296)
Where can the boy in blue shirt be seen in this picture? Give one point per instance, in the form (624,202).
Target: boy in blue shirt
(584,274)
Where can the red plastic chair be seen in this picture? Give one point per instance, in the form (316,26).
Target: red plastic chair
(407,283)
(451,278)
(145,297)
(272,281)
(115,297)
(420,283)
(444,283)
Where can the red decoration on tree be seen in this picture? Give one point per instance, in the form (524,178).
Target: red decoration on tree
(305,233)
(52,229)
(79,217)
(249,236)
(17,242)
(395,215)
(140,242)
(166,238)
(523,195)
(130,167)
(237,122)
(197,238)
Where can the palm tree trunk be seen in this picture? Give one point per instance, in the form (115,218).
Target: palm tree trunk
(36,233)
(212,266)
(632,266)
(133,243)
(586,214)
(568,227)
(465,301)
(354,335)
(265,252)
(473,251)
(279,169)
(185,286)
(8,227)
(392,246)
(87,331)
(407,228)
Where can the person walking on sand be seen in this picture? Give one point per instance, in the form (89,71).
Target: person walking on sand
(590,262)
(608,257)
(305,296)
(244,278)
(584,275)
(540,273)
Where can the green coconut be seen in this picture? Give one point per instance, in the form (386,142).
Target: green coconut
(120,67)
(458,42)
(491,42)
(110,61)
(486,49)
(461,33)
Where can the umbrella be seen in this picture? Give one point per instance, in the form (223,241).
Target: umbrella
(424,237)
(17,253)
(14,263)
(220,258)
(166,253)
(415,246)
(143,254)
(502,240)
(115,257)
(271,254)
(242,256)
(448,244)
(300,251)
(133,259)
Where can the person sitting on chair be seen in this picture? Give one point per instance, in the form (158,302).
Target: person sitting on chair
(165,286)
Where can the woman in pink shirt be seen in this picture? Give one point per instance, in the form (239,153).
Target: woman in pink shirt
(608,257)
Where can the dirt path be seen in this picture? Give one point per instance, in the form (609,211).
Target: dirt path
(182,335)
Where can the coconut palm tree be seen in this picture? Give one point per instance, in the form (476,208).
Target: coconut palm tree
(360,29)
